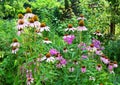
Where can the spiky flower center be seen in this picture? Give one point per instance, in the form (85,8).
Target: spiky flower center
(42,25)
(29,79)
(28,10)
(15,40)
(69,25)
(21,22)
(81,15)
(91,45)
(111,64)
(48,55)
(31,20)
(20,16)
(97,31)
(35,18)
(99,65)
(81,23)
(115,62)
(37,31)
(46,39)
(20,29)
(83,66)
(64,48)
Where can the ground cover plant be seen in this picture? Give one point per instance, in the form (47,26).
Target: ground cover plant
(58,45)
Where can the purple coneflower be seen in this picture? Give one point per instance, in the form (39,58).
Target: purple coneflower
(47,41)
(43,27)
(99,67)
(81,17)
(110,67)
(48,58)
(83,69)
(71,69)
(53,52)
(28,14)
(30,79)
(115,64)
(70,28)
(97,32)
(81,26)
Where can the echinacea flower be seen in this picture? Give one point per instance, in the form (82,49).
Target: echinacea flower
(115,64)
(47,41)
(43,27)
(110,67)
(70,28)
(65,50)
(31,23)
(48,58)
(30,79)
(81,26)
(97,32)
(99,52)
(91,48)
(21,24)
(29,13)
(20,16)
(83,69)
(82,46)
(36,22)
(38,32)
(19,31)
(71,69)
(96,43)
(81,17)
(69,38)
(75,62)
(99,67)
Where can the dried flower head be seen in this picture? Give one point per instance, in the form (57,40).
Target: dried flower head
(20,16)
(28,10)
(81,23)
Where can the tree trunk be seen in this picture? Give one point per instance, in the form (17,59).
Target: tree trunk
(112,28)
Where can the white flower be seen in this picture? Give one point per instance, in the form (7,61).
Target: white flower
(15,44)
(37,24)
(43,27)
(46,41)
(28,15)
(48,58)
(14,50)
(21,24)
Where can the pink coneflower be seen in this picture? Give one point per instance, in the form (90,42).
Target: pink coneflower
(30,79)
(99,67)
(21,24)
(29,13)
(69,38)
(99,52)
(110,67)
(15,46)
(38,32)
(97,32)
(81,17)
(65,50)
(115,64)
(53,52)
(81,26)
(91,48)
(71,69)
(36,22)
(83,69)
(19,31)
(47,41)
(48,58)
(31,23)
(82,46)
(104,59)
(43,27)
(70,28)
(75,62)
